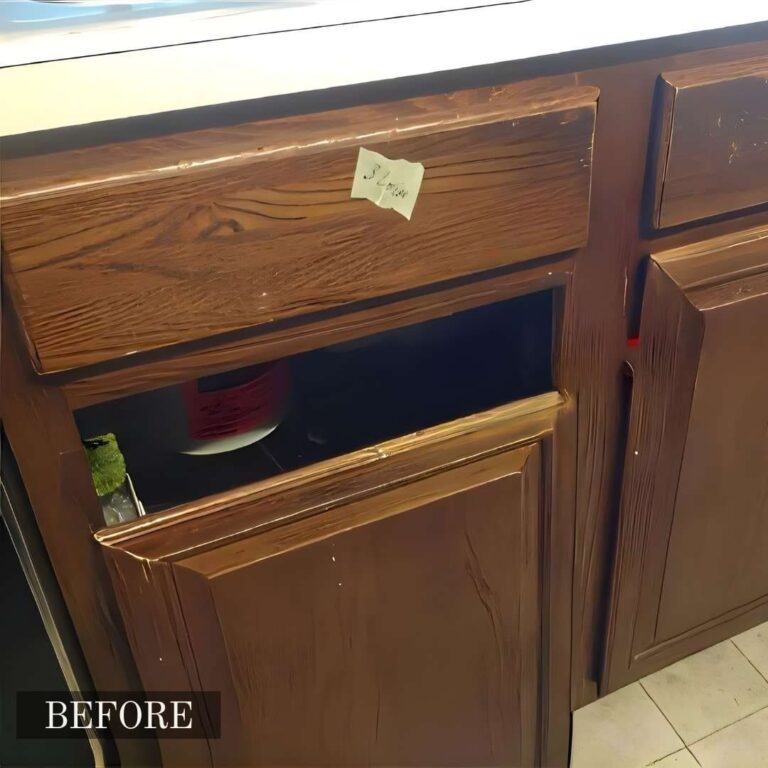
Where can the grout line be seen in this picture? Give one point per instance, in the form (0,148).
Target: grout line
(727,726)
(695,759)
(663,714)
(749,660)
(717,730)
(664,757)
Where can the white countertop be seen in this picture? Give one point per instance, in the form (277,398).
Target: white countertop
(305,45)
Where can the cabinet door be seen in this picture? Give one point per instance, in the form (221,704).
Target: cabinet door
(401,628)
(690,567)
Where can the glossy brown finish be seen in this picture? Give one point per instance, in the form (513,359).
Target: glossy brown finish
(713,144)
(460,540)
(690,565)
(55,472)
(212,244)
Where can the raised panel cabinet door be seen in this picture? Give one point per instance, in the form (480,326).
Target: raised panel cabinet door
(400,631)
(690,566)
(408,624)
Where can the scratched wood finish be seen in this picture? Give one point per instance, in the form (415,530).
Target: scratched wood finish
(690,565)
(116,262)
(350,655)
(713,148)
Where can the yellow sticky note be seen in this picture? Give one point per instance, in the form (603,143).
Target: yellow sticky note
(388,183)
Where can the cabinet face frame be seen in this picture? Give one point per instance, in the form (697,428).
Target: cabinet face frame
(144,558)
(698,309)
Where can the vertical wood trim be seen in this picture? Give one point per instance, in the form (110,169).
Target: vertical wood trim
(666,93)
(595,341)
(147,596)
(559,489)
(531,609)
(665,376)
(53,466)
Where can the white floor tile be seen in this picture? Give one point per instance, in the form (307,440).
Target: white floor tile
(754,645)
(622,730)
(681,759)
(741,745)
(707,691)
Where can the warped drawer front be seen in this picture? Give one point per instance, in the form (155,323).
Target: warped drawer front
(713,146)
(116,250)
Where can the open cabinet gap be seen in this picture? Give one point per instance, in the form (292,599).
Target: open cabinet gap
(342,398)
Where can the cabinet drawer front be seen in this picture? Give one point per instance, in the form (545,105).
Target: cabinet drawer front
(713,147)
(118,250)
(691,566)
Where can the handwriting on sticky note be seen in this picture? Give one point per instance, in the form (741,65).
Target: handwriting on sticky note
(388,183)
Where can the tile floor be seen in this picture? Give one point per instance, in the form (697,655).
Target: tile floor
(709,711)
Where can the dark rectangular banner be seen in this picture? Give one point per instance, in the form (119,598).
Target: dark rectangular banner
(124,715)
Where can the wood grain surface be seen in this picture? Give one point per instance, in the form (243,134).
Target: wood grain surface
(713,149)
(602,313)
(331,627)
(689,565)
(128,255)
(349,652)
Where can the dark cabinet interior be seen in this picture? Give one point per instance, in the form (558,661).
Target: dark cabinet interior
(345,397)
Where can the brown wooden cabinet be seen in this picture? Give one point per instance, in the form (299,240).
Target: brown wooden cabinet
(408,621)
(390,583)
(432,584)
(690,564)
